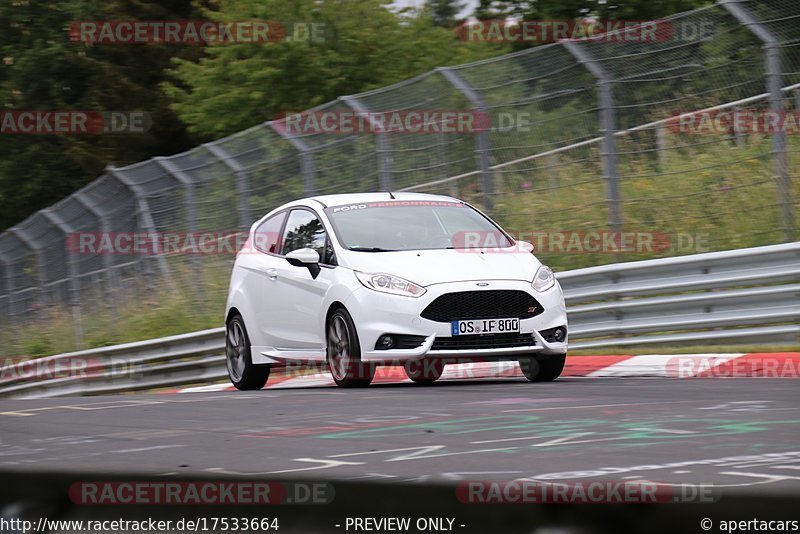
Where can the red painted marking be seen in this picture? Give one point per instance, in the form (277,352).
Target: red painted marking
(763,365)
(772,365)
(585,365)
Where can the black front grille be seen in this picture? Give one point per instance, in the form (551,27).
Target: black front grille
(496,341)
(488,304)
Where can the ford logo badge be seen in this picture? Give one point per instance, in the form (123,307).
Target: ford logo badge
(481,284)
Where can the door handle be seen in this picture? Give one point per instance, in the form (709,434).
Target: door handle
(272,274)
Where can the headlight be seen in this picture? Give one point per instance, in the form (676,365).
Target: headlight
(544,279)
(386,283)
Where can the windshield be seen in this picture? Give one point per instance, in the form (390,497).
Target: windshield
(413,225)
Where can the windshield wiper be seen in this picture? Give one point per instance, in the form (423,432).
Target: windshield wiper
(369,249)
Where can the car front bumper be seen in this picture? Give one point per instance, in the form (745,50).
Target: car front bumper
(376,314)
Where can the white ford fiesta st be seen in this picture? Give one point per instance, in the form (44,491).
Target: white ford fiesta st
(362,280)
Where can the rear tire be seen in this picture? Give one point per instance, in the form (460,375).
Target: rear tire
(542,370)
(244,375)
(344,352)
(425,371)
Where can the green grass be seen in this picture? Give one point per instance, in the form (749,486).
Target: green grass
(192,304)
(715,197)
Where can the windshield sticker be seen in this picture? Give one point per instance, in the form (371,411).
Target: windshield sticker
(396,204)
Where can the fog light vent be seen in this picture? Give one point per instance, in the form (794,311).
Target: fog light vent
(555,335)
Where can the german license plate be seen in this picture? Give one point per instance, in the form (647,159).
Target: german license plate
(484,326)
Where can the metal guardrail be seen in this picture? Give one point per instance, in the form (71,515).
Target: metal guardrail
(747,295)
(740,296)
(164,362)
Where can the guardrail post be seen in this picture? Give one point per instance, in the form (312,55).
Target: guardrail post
(242,182)
(384,146)
(608,125)
(482,142)
(774,74)
(144,216)
(72,268)
(307,164)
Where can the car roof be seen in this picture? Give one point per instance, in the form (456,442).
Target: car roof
(352,198)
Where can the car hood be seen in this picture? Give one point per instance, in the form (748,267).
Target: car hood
(427,267)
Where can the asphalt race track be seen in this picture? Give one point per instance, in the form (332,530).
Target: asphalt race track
(738,434)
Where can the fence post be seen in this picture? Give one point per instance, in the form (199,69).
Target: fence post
(661,146)
(482,142)
(191,215)
(242,182)
(774,74)
(307,164)
(384,146)
(552,164)
(188,184)
(72,269)
(144,216)
(9,283)
(108,263)
(37,252)
(608,125)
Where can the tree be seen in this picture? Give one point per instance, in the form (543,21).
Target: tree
(216,90)
(531,10)
(43,70)
(571,9)
(363,46)
(610,9)
(501,9)
(445,12)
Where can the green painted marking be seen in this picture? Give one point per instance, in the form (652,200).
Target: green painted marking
(509,426)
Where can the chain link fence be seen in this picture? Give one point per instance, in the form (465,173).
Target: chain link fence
(585,137)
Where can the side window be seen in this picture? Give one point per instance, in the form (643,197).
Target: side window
(304,230)
(267,236)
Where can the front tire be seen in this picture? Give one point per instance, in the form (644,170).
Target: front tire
(344,352)
(244,375)
(425,371)
(544,369)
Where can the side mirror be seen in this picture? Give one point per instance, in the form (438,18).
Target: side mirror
(305,257)
(525,246)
